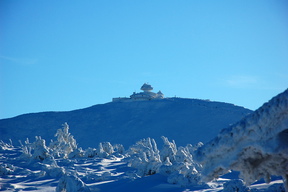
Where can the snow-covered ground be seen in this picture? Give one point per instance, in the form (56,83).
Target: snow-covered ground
(256,146)
(19,172)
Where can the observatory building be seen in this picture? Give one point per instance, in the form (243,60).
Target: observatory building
(147,94)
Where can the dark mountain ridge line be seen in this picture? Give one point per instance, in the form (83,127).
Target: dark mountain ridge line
(167,99)
(135,119)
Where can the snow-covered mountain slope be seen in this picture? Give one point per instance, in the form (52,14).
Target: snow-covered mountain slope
(184,120)
(257,146)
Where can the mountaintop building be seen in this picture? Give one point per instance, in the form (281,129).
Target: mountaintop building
(147,94)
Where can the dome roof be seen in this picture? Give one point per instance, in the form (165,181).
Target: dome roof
(160,93)
(146,87)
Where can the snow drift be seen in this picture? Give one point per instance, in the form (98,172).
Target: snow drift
(257,146)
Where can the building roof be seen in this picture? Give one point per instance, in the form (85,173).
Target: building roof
(146,87)
(147,94)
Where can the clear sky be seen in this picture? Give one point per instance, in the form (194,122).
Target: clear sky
(65,55)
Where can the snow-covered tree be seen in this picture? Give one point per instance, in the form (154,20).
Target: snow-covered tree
(40,152)
(4,146)
(65,143)
(176,164)
(105,149)
(76,153)
(90,152)
(182,169)
(36,150)
(53,170)
(145,157)
(26,149)
(71,183)
(119,148)
(169,150)
(39,149)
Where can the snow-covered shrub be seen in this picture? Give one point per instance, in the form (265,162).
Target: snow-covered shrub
(145,157)
(182,169)
(166,168)
(5,146)
(119,148)
(6,169)
(169,150)
(176,164)
(65,146)
(65,143)
(76,153)
(54,171)
(107,147)
(183,155)
(36,150)
(184,176)
(71,183)
(105,151)
(90,152)
(235,185)
(26,149)
(39,149)
(194,148)
(40,152)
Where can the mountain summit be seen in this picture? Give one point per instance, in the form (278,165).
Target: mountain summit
(147,94)
(183,120)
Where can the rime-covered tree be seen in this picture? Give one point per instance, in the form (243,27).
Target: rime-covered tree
(65,143)
(71,183)
(145,157)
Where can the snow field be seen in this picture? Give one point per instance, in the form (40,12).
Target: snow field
(256,146)
(143,167)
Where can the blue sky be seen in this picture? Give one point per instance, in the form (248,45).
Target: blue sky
(65,55)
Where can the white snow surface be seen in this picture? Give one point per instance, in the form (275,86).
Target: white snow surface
(112,173)
(257,146)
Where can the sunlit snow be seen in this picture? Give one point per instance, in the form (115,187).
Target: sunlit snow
(256,146)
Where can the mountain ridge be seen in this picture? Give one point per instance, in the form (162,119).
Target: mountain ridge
(127,122)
